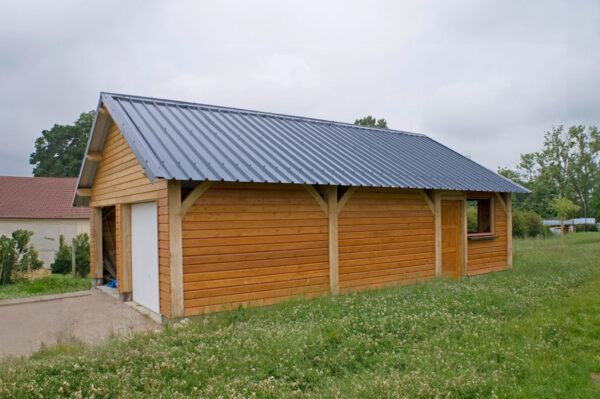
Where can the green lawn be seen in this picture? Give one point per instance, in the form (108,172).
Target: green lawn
(532,332)
(52,284)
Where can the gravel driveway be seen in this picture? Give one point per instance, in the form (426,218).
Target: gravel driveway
(86,316)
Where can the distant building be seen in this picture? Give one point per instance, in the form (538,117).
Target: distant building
(569,224)
(42,205)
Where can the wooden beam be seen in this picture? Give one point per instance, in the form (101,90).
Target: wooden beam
(125,283)
(193,196)
(501,200)
(493,215)
(96,269)
(463,238)
(345,197)
(509,231)
(332,202)
(311,190)
(84,192)
(428,200)
(103,110)
(175,247)
(94,156)
(437,202)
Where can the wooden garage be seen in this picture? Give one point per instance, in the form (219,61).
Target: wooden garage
(217,207)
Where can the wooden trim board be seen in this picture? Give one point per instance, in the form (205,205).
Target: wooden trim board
(501,200)
(428,200)
(194,195)
(315,194)
(345,197)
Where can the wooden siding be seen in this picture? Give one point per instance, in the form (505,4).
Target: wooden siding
(253,244)
(486,256)
(386,237)
(120,179)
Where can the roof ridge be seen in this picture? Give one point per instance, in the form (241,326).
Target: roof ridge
(221,108)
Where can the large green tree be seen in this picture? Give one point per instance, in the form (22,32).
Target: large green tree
(567,166)
(60,150)
(372,122)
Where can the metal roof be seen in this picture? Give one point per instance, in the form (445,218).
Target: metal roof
(189,141)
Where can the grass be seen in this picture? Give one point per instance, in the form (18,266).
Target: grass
(52,284)
(531,332)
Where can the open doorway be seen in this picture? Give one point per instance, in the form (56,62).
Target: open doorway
(109,244)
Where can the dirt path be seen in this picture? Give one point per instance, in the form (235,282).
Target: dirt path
(89,318)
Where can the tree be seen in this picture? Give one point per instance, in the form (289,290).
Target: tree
(564,208)
(566,166)
(59,152)
(63,259)
(372,122)
(17,254)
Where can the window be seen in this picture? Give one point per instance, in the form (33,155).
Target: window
(479,216)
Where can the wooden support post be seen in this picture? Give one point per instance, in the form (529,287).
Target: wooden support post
(94,156)
(175,247)
(509,231)
(96,267)
(463,238)
(332,203)
(125,283)
(437,204)
(84,192)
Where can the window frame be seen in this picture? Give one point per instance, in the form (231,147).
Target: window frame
(492,230)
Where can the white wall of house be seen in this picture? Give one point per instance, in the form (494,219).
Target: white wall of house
(46,233)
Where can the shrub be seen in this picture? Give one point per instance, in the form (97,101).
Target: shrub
(63,257)
(472,218)
(8,256)
(527,223)
(17,254)
(588,227)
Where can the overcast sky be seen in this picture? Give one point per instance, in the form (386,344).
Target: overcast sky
(486,78)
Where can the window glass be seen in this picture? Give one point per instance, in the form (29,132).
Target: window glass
(479,216)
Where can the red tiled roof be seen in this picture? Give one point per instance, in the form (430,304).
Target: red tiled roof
(39,198)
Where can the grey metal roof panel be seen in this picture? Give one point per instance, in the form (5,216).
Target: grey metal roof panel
(189,141)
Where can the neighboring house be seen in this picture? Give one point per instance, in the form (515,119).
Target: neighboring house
(42,205)
(219,207)
(569,225)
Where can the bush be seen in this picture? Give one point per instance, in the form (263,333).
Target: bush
(528,224)
(17,254)
(588,227)
(62,259)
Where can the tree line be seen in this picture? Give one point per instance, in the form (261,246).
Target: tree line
(566,169)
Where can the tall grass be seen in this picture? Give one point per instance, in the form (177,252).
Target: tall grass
(52,284)
(533,331)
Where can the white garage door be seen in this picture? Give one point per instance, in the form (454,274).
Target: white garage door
(144,255)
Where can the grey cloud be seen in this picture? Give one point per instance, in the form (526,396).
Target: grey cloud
(486,78)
